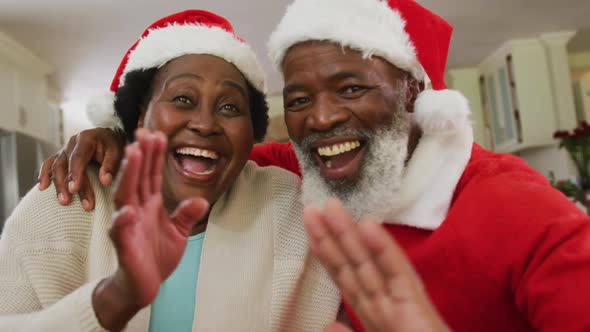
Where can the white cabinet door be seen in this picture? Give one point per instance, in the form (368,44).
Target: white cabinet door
(8,113)
(32,106)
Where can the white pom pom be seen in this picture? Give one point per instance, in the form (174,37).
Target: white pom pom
(439,111)
(101,111)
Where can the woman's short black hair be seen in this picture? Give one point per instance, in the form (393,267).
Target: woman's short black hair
(135,93)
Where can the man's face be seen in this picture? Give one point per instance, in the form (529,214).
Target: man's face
(347,117)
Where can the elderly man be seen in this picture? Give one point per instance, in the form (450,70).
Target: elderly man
(472,240)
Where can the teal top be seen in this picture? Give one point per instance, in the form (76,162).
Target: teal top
(174,307)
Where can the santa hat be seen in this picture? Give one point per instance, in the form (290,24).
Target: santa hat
(416,40)
(187,32)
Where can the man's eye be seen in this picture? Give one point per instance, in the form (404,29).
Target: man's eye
(353,89)
(297,102)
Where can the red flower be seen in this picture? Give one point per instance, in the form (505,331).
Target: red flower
(585,126)
(579,133)
(562,134)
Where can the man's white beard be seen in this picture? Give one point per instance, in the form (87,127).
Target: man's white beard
(376,190)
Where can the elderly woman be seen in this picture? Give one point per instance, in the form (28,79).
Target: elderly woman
(193,237)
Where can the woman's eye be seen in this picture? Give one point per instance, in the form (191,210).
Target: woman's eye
(231,108)
(182,100)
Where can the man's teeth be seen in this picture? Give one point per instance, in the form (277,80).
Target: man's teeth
(198,153)
(336,149)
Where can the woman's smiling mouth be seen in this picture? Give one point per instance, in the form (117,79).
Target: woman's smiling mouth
(196,163)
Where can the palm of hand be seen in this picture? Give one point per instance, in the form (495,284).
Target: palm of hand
(376,278)
(151,250)
(149,242)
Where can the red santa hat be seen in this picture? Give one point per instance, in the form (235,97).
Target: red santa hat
(187,32)
(416,40)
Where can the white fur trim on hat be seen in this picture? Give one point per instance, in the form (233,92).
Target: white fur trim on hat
(441,110)
(439,159)
(164,44)
(370,26)
(101,111)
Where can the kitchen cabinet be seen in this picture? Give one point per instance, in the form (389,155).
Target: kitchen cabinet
(517,97)
(23,91)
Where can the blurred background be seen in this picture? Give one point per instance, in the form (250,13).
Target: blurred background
(524,65)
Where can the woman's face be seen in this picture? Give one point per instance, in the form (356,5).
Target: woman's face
(201,104)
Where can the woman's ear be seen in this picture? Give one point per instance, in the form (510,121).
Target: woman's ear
(413,89)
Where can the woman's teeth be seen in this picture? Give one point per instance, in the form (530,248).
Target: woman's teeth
(196,152)
(197,161)
(336,149)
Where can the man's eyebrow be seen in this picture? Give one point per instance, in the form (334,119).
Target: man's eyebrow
(292,88)
(339,76)
(342,75)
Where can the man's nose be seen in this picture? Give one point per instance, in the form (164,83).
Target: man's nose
(326,114)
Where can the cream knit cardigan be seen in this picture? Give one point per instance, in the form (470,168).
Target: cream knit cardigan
(256,273)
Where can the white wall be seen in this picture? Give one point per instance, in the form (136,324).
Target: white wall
(466,81)
(549,159)
(275,105)
(74,117)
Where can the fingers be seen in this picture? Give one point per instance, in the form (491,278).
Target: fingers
(60,172)
(326,249)
(86,194)
(338,244)
(110,165)
(337,327)
(60,179)
(188,213)
(372,271)
(386,253)
(79,157)
(146,143)
(342,226)
(123,221)
(45,173)
(110,154)
(321,241)
(153,148)
(100,144)
(160,145)
(402,282)
(126,191)
(139,180)
(349,254)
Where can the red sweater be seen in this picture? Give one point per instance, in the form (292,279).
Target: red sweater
(513,254)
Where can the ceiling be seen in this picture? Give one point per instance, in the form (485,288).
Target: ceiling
(84,40)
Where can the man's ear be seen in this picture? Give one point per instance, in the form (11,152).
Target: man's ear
(413,89)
